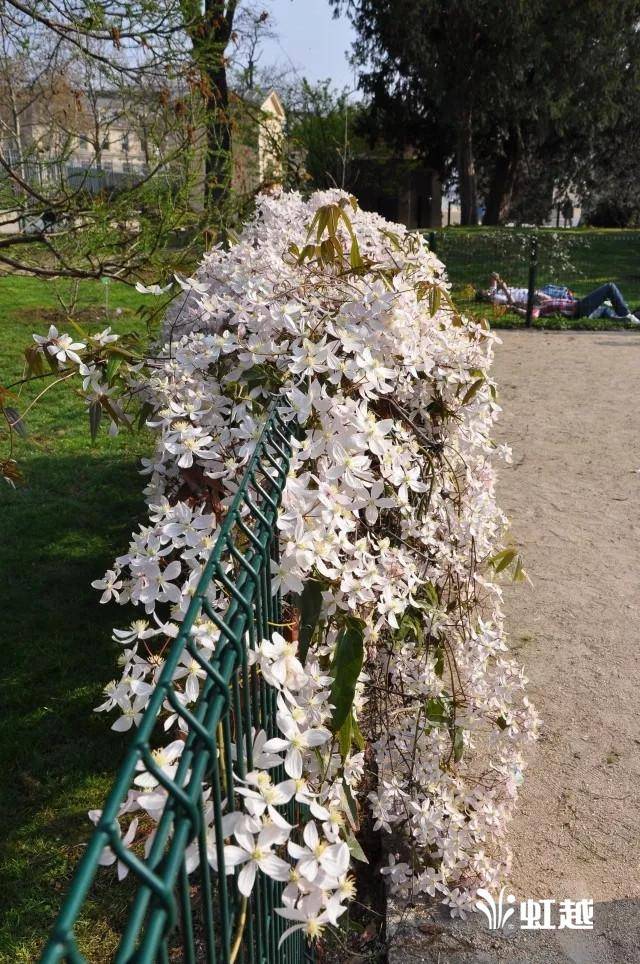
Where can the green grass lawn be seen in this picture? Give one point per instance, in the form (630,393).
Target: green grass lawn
(62,529)
(581,259)
(58,531)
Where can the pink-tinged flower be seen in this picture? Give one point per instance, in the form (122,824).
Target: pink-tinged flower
(110,585)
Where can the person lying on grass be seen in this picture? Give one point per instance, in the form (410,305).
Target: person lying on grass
(604,302)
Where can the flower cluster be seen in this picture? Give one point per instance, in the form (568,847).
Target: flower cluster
(388,514)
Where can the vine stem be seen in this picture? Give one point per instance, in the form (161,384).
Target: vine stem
(237,941)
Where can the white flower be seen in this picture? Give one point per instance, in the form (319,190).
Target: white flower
(387,518)
(279,663)
(398,873)
(255,853)
(267,796)
(111,586)
(152,289)
(105,337)
(61,347)
(310,918)
(166,758)
(332,858)
(193,671)
(131,713)
(108,857)
(190,284)
(188,445)
(294,741)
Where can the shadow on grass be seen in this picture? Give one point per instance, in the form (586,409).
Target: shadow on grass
(58,533)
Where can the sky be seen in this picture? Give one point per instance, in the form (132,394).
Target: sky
(310,40)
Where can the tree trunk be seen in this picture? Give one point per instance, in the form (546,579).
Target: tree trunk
(503,181)
(467,172)
(210,33)
(218,166)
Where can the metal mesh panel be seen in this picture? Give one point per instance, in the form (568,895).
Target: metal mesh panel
(201,917)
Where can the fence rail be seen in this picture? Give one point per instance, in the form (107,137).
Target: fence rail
(201,917)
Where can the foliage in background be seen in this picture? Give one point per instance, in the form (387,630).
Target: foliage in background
(581,259)
(76,74)
(495,90)
(58,530)
(319,139)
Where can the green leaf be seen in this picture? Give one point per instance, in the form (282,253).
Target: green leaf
(95,417)
(357,736)
(439,666)
(327,250)
(437,711)
(78,329)
(333,218)
(349,806)
(321,219)
(458,743)
(432,594)
(310,604)
(503,559)
(146,410)
(355,849)
(519,575)
(13,416)
(355,259)
(345,670)
(410,623)
(348,734)
(473,390)
(260,375)
(34,359)
(344,736)
(307,253)
(113,367)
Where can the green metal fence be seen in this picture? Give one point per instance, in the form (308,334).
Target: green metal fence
(201,917)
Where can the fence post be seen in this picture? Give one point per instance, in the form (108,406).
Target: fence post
(533,275)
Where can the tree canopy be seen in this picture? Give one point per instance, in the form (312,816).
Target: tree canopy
(75,75)
(486,89)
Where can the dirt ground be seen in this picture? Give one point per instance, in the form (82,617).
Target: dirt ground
(572,415)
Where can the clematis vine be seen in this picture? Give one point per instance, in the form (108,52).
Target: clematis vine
(404,702)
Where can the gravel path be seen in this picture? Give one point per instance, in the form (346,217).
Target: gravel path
(572,415)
